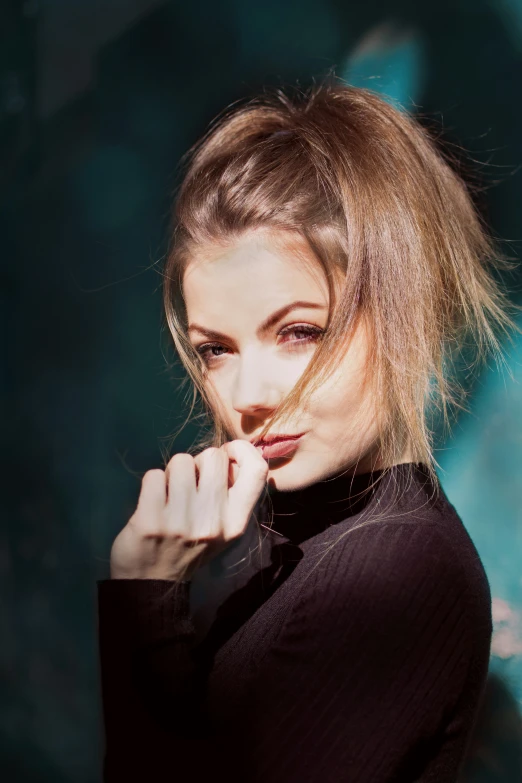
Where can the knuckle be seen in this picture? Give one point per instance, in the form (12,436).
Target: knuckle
(138,522)
(262,464)
(152,473)
(181,458)
(212,451)
(147,528)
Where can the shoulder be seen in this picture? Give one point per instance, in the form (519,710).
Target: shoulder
(396,572)
(384,552)
(389,600)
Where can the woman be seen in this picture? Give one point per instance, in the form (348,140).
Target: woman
(327,263)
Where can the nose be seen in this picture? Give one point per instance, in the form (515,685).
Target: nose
(255,388)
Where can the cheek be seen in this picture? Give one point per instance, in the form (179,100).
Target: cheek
(345,392)
(218,398)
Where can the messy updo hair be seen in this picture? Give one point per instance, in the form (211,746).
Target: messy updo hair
(376,198)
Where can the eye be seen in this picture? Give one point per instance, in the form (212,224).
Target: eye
(310,334)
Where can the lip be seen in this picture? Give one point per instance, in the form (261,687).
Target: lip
(275,438)
(282,447)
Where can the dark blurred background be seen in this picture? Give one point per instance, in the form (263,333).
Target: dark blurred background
(98,101)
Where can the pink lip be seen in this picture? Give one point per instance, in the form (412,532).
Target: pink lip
(280,448)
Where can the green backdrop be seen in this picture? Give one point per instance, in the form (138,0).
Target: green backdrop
(97,103)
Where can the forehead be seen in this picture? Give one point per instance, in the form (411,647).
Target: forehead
(259,266)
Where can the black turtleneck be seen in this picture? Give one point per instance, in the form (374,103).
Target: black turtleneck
(352,646)
(303,513)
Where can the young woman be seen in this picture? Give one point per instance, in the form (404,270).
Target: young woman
(327,265)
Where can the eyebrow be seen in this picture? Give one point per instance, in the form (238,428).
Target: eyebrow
(265,325)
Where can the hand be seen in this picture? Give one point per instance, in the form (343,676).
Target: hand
(189,513)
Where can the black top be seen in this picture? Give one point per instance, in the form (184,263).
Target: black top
(354,647)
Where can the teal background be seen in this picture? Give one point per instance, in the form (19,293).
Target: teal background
(98,100)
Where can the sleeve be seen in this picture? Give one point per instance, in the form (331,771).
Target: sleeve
(149,682)
(366,668)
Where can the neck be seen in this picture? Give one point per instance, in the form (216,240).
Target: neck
(303,513)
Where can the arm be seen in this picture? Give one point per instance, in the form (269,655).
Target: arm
(147,677)
(152,688)
(368,667)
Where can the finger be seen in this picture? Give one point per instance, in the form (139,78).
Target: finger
(212,465)
(153,493)
(250,481)
(181,479)
(212,493)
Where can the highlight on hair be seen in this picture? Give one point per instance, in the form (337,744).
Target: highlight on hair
(374,198)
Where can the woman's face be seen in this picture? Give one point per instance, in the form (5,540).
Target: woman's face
(252,369)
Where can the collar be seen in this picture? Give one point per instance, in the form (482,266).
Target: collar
(301,514)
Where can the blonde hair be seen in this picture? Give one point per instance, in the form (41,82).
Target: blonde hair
(374,197)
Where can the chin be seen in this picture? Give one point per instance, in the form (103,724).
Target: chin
(285,475)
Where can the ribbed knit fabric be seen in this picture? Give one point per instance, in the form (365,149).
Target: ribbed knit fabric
(369,668)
